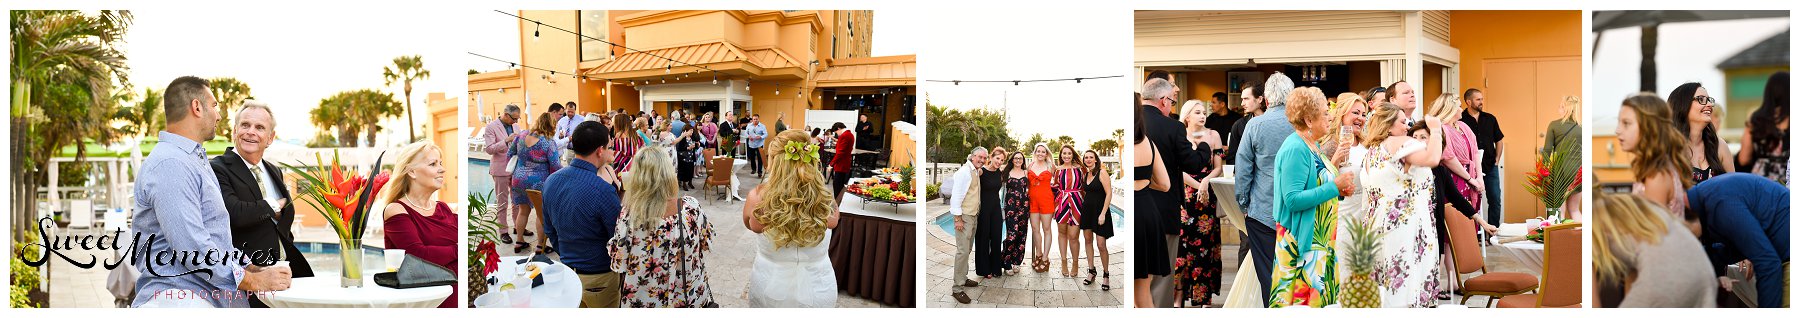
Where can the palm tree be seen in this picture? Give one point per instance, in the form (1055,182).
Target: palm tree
(230,93)
(144,117)
(369,107)
(405,70)
(64,66)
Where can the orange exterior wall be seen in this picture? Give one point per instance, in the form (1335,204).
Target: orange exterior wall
(1519,35)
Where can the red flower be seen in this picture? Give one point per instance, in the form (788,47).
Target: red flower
(490,259)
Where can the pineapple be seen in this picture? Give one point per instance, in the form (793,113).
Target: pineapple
(1360,290)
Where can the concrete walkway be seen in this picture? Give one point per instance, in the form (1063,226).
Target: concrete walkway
(1027,289)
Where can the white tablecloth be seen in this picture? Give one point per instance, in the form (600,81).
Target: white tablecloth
(324,291)
(1530,254)
(853,204)
(562,292)
(1225,189)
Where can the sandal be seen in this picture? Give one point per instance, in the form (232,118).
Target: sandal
(506,238)
(528,233)
(1106,285)
(1040,264)
(546,250)
(520,247)
(1090,279)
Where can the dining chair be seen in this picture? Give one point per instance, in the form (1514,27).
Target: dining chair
(1465,252)
(1562,271)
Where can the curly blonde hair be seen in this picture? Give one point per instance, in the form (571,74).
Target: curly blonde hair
(1303,104)
(1345,101)
(795,201)
(649,187)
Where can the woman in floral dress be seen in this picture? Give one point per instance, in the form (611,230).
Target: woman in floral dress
(1018,202)
(660,242)
(1198,265)
(537,155)
(1307,188)
(1397,182)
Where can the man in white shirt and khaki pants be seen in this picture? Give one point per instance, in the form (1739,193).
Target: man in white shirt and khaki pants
(964,204)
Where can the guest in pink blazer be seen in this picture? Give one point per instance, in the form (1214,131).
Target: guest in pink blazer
(499,136)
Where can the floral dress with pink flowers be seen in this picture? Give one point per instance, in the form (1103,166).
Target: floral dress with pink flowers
(663,266)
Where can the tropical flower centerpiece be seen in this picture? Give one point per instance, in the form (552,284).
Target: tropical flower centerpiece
(1557,175)
(344,199)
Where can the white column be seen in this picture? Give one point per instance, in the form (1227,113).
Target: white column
(1414,70)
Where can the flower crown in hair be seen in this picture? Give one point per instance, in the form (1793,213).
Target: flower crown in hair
(802,152)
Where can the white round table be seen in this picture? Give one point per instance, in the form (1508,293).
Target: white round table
(1530,254)
(561,292)
(325,292)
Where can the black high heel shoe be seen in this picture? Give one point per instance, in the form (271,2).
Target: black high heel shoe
(1106,285)
(1090,279)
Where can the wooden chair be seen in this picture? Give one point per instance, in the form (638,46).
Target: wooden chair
(1562,271)
(1465,251)
(705,157)
(719,175)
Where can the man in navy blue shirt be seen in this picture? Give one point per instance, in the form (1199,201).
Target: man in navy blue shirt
(1744,217)
(580,210)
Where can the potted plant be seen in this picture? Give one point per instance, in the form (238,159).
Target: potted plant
(482,233)
(344,199)
(1557,175)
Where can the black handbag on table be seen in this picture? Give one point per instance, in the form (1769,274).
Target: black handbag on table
(416,272)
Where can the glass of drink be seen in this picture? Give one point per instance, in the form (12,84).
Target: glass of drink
(394,258)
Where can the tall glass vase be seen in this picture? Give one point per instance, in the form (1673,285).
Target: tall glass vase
(1553,215)
(350,252)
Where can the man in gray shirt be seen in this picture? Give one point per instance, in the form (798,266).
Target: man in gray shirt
(189,259)
(1256,175)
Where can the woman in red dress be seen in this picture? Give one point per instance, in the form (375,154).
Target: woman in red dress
(1043,201)
(413,220)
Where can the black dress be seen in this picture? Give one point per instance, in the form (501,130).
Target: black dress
(1093,209)
(684,160)
(987,229)
(1149,258)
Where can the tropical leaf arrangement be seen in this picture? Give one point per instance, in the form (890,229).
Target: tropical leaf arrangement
(342,197)
(482,233)
(1557,173)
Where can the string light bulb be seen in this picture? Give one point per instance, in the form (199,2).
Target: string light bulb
(535,31)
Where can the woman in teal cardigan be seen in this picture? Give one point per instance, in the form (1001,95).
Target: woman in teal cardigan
(1307,188)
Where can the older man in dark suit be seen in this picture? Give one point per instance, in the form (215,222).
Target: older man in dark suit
(262,216)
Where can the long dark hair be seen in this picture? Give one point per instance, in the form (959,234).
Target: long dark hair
(1137,121)
(1095,171)
(1774,110)
(1680,101)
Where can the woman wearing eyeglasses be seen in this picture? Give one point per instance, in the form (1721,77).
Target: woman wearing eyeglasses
(1695,107)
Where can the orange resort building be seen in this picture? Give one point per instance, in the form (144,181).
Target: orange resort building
(1525,63)
(803,68)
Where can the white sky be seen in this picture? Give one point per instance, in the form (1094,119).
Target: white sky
(1034,43)
(1686,52)
(297,56)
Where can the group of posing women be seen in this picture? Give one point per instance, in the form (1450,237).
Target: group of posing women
(1020,195)
(1695,208)
(1361,158)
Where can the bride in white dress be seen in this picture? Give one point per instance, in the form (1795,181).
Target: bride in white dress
(1396,194)
(793,214)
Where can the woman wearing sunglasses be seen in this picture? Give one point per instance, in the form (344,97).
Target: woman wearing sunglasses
(1694,110)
